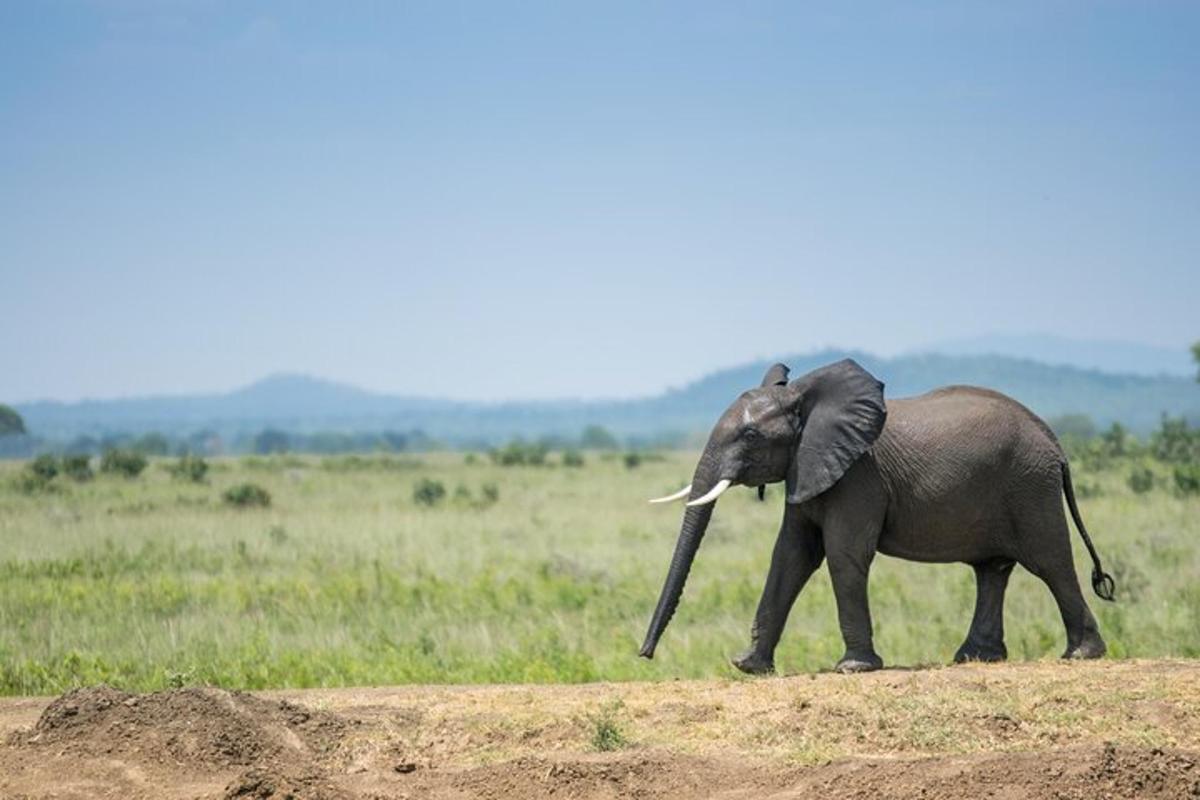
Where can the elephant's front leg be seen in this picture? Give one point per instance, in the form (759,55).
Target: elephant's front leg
(798,553)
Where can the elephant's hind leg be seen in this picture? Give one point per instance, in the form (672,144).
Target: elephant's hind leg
(1047,554)
(985,639)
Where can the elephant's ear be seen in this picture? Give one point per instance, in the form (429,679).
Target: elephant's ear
(841,412)
(776,376)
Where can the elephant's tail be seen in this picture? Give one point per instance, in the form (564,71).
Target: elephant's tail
(1102,583)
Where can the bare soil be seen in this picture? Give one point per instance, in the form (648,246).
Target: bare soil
(1113,729)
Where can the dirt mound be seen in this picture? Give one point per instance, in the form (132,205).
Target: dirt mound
(1066,774)
(283,747)
(201,727)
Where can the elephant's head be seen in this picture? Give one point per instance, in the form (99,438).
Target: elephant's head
(807,432)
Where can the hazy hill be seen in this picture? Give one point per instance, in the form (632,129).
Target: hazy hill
(305,404)
(1107,356)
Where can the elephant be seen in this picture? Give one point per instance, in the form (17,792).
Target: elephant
(960,474)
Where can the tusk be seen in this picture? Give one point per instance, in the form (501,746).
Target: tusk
(680,494)
(713,494)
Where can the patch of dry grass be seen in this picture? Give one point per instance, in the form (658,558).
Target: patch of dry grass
(803,719)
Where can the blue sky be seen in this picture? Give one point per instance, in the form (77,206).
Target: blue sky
(563,199)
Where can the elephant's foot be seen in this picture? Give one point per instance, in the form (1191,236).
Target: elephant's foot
(1092,646)
(866,661)
(976,651)
(752,663)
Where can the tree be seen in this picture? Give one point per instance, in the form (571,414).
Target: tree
(597,437)
(1196,355)
(271,441)
(11,423)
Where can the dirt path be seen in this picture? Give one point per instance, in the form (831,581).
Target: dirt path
(1048,729)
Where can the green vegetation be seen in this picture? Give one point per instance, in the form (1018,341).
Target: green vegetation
(605,728)
(189,468)
(518,453)
(127,463)
(247,495)
(78,467)
(541,574)
(11,423)
(429,492)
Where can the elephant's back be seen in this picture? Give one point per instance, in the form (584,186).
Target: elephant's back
(962,457)
(963,418)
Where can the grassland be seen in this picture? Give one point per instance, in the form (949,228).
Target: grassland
(346,580)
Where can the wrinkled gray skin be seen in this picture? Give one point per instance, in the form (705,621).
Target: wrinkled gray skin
(960,474)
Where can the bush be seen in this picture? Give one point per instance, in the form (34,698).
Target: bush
(29,482)
(247,495)
(519,453)
(1141,480)
(189,468)
(632,460)
(1175,441)
(1187,478)
(606,729)
(44,466)
(78,467)
(572,458)
(428,492)
(491,493)
(127,463)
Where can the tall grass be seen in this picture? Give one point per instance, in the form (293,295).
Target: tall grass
(347,580)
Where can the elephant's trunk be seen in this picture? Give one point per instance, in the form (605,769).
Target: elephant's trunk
(695,523)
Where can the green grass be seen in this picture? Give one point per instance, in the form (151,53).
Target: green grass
(346,580)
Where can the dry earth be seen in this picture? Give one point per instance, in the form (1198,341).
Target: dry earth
(1041,730)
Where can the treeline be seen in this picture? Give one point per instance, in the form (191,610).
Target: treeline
(1169,457)
(18,443)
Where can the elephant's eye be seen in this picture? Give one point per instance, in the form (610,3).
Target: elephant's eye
(751,434)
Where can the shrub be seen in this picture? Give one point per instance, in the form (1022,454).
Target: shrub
(247,495)
(632,460)
(519,453)
(572,458)
(491,493)
(189,468)
(78,467)
(606,730)
(127,463)
(1187,478)
(1141,480)
(29,482)
(44,466)
(428,492)
(1175,441)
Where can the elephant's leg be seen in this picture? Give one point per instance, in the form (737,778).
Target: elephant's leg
(798,553)
(985,640)
(1049,557)
(850,535)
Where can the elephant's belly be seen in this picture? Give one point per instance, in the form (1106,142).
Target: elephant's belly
(952,531)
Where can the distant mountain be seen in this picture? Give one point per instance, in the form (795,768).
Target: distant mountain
(1106,356)
(307,405)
